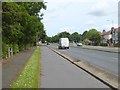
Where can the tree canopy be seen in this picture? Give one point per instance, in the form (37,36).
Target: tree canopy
(94,36)
(21,22)
(76,37)
(91,35)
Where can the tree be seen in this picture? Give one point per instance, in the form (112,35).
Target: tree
(21,23)
(94,36)
(64,34)
(84,35)
(75,37)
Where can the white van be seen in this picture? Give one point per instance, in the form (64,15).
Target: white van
(63,43)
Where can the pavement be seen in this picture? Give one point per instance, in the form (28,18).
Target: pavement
(57,72)
(12,67)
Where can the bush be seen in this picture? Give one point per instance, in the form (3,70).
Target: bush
(21,47)
(15,48)
(4,50)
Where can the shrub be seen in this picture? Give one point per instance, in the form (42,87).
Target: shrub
(5,50)
(15,48)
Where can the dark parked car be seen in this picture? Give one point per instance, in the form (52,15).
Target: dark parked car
(48,43)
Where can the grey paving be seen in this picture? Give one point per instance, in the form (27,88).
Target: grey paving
(60,73)
(12,68)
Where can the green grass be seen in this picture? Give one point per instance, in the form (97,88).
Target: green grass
(29,77)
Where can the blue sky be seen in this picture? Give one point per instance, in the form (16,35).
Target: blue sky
(79,15)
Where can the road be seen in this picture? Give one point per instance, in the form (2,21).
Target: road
(106,60)
(60,73)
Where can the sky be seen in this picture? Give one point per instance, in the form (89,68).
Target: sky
(79,15)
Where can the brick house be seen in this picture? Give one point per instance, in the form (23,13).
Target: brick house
(115,32)
(110,37)
(106,37)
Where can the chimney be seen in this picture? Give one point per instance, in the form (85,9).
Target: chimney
(112,30)
(104,31)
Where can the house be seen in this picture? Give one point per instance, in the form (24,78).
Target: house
(115,32)
(106,37)
(110,37)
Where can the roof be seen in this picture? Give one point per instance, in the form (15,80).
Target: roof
(109,32)
(105,33)
(117,29)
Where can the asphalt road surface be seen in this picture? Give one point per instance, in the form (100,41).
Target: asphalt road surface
(106,60)
(57,72)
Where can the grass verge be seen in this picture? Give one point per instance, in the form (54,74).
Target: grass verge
(29,77)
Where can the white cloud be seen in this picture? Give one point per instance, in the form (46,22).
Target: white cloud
(92,27)
(71,15)
(91,22)
(67,29)
(66,1)
(100,9)
(70,29)
(108,26)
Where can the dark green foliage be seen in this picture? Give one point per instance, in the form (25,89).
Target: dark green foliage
(91,35)
(22,24)
(72,37)
(84,35)
(76,37)
(94,36)
(15,48)
(5,50)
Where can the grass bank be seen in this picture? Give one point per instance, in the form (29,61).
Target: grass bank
(29,77)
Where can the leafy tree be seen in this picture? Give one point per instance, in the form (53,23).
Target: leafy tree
(64,34)
(94,36)
(84,35)
(21,23)
(75,37)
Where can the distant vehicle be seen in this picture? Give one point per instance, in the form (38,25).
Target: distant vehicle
(48,43)
(63,43)
(79,44)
